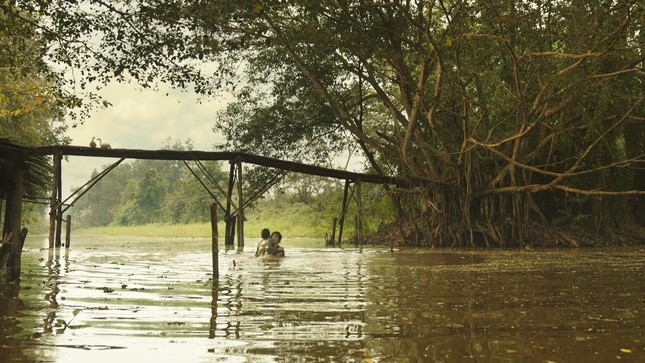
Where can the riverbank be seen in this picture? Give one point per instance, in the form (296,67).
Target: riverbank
(252,228)
(627,234)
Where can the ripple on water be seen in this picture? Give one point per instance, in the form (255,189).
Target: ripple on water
(327,304)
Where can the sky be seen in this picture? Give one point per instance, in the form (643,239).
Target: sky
(142,119)
(145,119)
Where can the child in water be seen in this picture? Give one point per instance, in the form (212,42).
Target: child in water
(274,248)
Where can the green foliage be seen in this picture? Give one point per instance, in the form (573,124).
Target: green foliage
(149,191)
(33,100)
(306,206)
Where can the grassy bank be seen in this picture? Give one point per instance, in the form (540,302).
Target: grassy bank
(252,228)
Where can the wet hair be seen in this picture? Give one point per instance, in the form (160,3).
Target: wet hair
(277,234)
(266,233)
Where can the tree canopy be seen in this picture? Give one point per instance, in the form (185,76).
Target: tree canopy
(501,115)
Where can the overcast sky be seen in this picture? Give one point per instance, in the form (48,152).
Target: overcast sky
(142,119)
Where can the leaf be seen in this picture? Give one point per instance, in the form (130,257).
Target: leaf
(76,311)
(625,350)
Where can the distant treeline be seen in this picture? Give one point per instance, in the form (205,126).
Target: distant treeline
(154,191)
(146,191)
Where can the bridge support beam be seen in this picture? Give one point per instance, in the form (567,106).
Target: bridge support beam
(240,211)
(16,220)
(214,241)
(343,212)
(359,213)
(229,229)
(55,199)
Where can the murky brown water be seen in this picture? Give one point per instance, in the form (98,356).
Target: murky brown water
(151,301)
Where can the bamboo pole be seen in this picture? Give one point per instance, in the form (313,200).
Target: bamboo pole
(359,213)
(16,220)
(229,232)
(356,228)
(333,232)
(212,179)
(342,214)
(68,230)
(214,241)
(59,204)
(240,211)
(53,202)
(213,321)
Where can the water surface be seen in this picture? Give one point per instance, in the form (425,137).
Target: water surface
(133,299)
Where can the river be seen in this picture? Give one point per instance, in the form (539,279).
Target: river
(128,300)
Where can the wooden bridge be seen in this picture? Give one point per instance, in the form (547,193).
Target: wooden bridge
(233,209)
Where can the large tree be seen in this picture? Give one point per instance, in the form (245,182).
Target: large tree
(498,115)
(31,102)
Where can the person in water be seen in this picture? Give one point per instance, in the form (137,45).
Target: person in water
(264,243)
(274,248)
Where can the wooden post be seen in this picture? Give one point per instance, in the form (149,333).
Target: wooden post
(23,237)
(59,203)
(215,297)
(232,227)
(359,213)
(214,241)
(240,211)
(16,220)
(7,225)
(356,229)
(229,232)
(68,230)
(53,202)
(342,214)
(2,232)
(333,232)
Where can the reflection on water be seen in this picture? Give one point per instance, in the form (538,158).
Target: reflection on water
(157,301)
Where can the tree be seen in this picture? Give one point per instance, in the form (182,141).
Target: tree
(493,113)
(155,191)
(143,200)
(33,100)
(99,206)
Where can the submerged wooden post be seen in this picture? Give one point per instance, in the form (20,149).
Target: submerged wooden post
(333,232)
(359,213)
(228,231)
(68,230)
(53,202)
(16,220)
(240,211)
(356,229)
(23,237)
(342,214)
(59,202)
(214,241)
(213,321)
